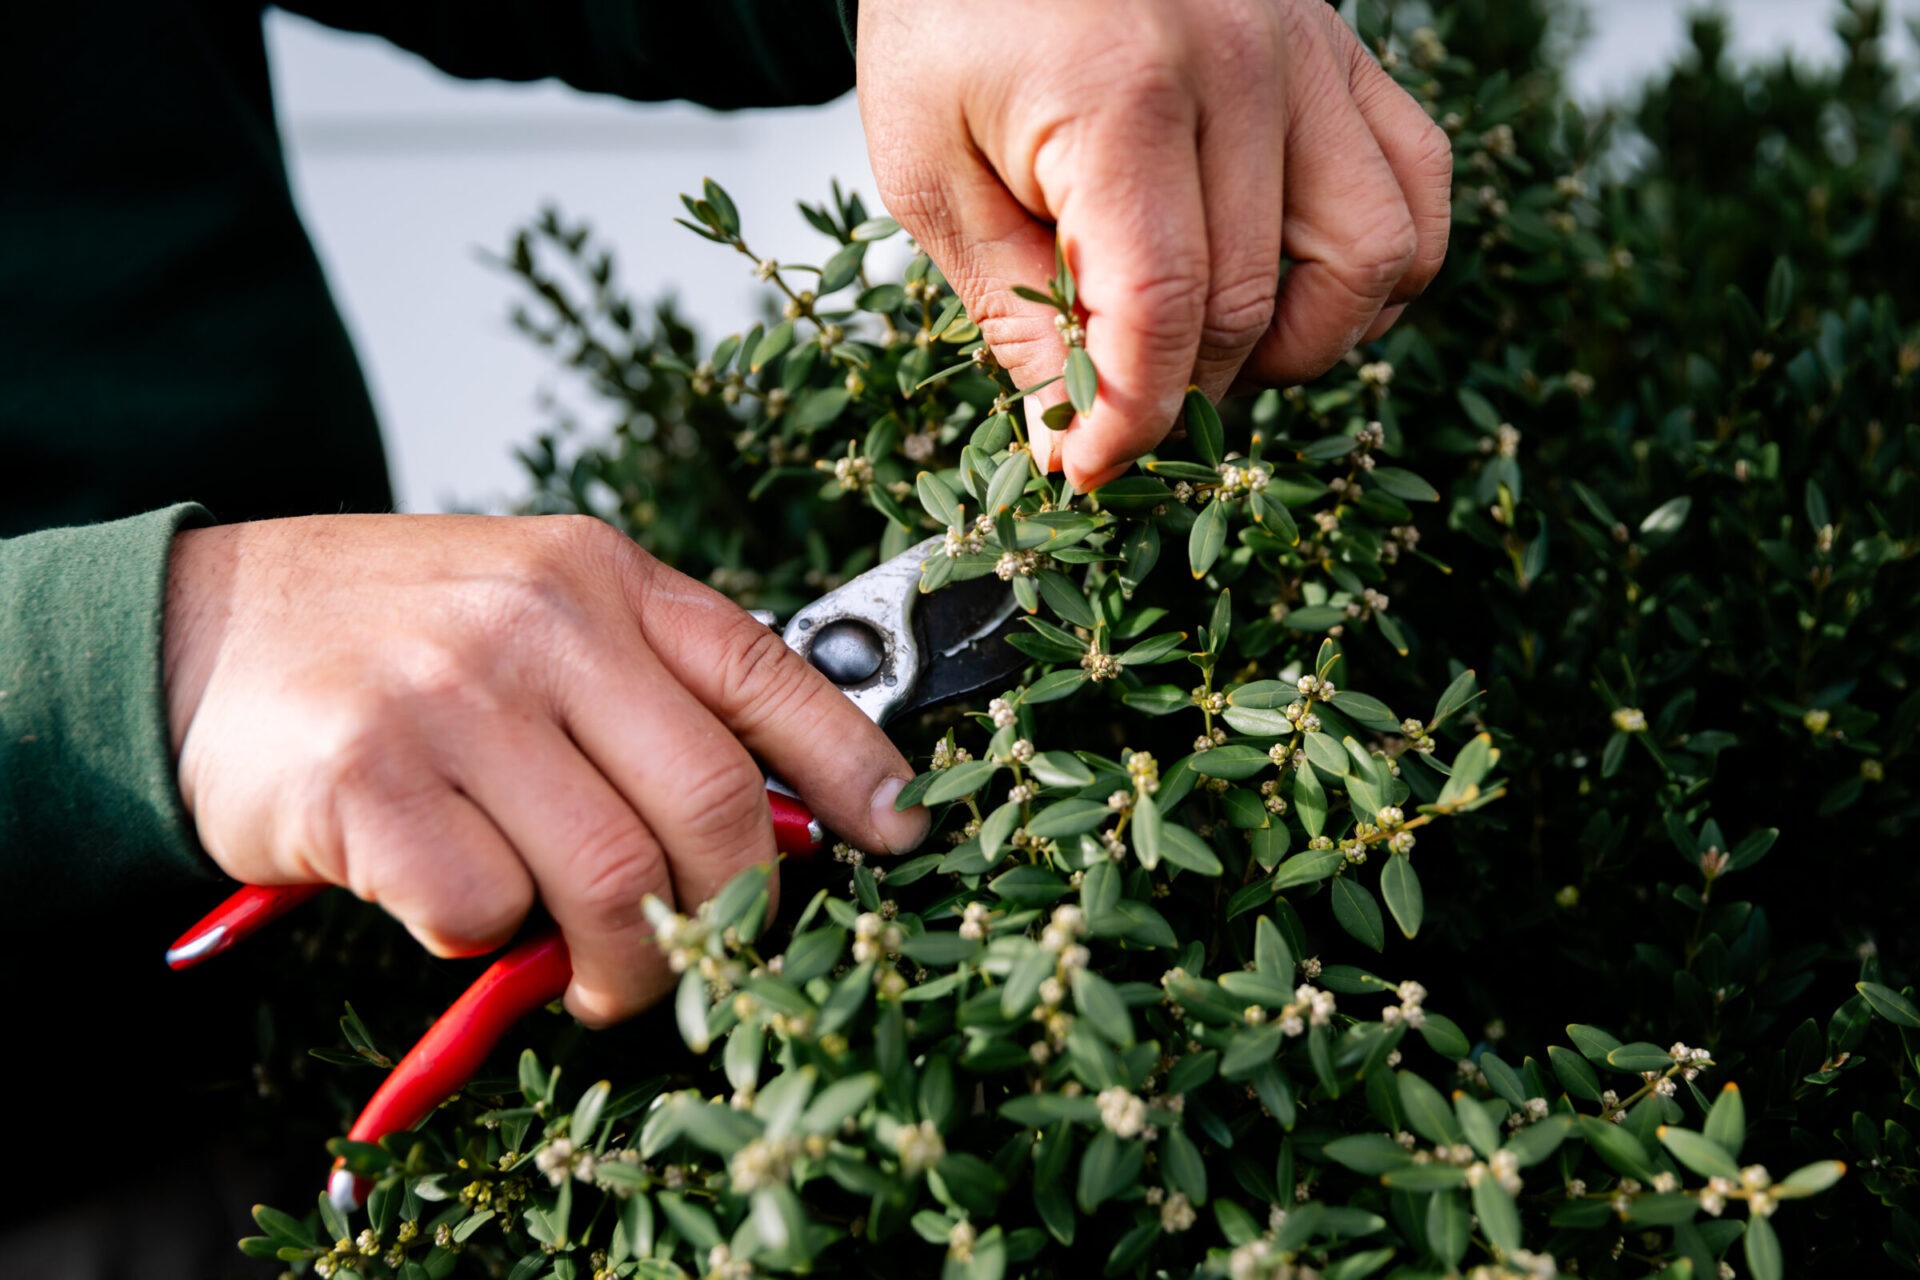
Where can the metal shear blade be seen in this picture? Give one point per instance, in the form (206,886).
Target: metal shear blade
(894,650)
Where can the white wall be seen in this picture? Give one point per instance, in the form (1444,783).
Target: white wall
(403,173)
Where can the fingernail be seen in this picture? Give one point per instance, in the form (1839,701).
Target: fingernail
(902,832)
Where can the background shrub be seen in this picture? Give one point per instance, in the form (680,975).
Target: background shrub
(1656,422)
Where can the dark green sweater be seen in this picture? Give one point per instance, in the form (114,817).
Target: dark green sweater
(166,338)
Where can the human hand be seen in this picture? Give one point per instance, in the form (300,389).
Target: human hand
(449,715)
(1179,147)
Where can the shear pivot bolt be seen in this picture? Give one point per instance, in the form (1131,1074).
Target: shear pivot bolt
(847,652)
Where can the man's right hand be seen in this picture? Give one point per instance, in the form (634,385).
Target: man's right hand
(452,715)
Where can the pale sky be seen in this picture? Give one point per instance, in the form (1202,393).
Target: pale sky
(403,173)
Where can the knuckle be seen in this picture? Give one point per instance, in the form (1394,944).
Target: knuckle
(724,808)
(766,682)
(611,870)
(1237,314)
(1433,154)
(1175,298)
(1375,261)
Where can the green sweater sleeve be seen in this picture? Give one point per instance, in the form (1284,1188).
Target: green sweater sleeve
(90,811)
(722,53)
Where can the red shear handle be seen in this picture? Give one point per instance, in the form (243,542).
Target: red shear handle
(533,973)
(248,911)
(253,908)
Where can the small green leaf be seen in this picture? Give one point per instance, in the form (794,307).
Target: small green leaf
(1404,485)
(1207,538)
(1059,769)
(1009,481)
(1369,1153)
(690,1010)
(1499,1216)
(939,500)
(1889,1004)
(1764,1258)
(1400,885)
(1204,429)
(1666,519)
(1100,1003)
(1699,1153)
(1727,1122)
(772,346)
(1358,912)
(1813,1178)
(960,780)
(1427,1111)
(1448,1230)
(1083,381)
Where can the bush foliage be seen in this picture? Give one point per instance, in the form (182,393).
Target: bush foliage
(1620,522)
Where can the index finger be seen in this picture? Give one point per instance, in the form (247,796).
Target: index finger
(789,715)
(1124,189)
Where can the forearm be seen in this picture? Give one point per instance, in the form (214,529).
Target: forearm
(723,53)
(89,807)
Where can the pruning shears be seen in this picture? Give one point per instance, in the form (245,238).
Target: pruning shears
(890,647)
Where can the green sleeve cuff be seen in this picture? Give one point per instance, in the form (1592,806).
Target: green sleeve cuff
(90,810)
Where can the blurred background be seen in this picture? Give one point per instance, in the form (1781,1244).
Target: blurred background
(406,176)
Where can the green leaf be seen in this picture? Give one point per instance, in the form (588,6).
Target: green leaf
(1152,650)
(1369,1153)
(1779,298)
(1064,598)
(1059,769)
(998,826)
(1425,1177)
(1618,1147)
(1204,430)
(1813,1178)
(1889,1004)
(1764,1258)
(1272,514)
(1427,1111)
(1146,830)
(841,268)
(881,299)
(960,780)
(1180,1162)
(1666,519)
(1592,1041)
(939,950)
(1306,867)
(1370,712)
(874,229)
(1108,1167)
(1448,1231)
(1358,912)
(1068,818)
(1207,538)
(1698,1152)
(1727,1122)
(1576,1077)
(586,1112)
(1188,851)
(1404,485)
(939,499)
(1639,1056)
(690,1010)
(1271,955)
(1083,381)
(1499,1216)
(1400,885)
(1100,1003)
(1008,483)
(1053,686)
(1309,800)
(772,346)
